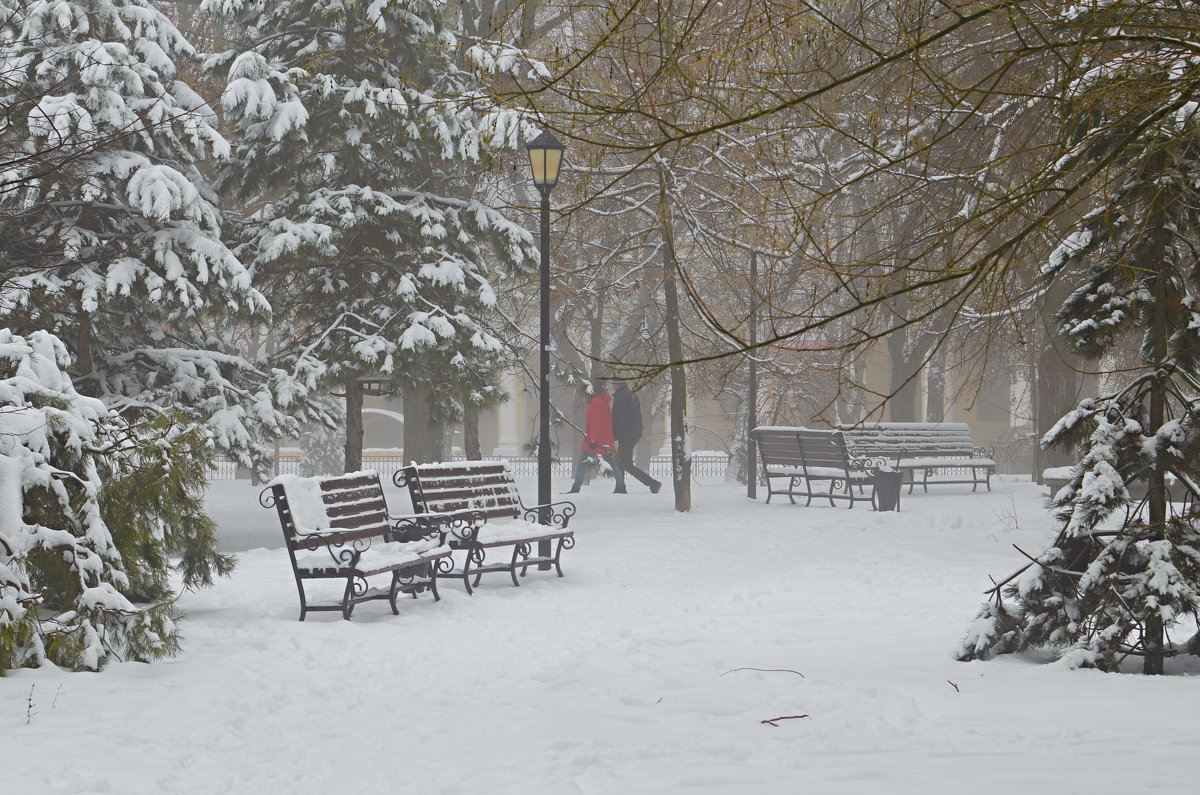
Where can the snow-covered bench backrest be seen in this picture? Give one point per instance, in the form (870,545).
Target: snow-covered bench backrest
(483,486)
(910,439)
(351,504)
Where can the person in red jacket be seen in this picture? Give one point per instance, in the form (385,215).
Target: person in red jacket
(598,438)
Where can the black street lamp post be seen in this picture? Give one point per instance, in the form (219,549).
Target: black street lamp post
(545,157)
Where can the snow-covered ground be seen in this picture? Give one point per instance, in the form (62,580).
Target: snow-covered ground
(631,675)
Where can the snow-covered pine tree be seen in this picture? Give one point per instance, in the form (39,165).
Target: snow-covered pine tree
(1124,568)
(356,126)
(65,592)
(112,241)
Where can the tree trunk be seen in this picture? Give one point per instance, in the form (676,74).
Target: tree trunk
(1153,634)
(354,423)
(1034,413)
(850,394)
(424,436)
(471,448)
(737,470)
(935,387)
(902,405)
(906,365)
(681,466)
(1059,389)
(681,469)
(596,339)
(85,365)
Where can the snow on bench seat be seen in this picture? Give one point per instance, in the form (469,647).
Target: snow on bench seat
(378,557)
(822,473)
(943,463)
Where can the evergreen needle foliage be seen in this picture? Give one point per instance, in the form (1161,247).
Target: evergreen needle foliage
(1124,567)
(73,589)
(361,131)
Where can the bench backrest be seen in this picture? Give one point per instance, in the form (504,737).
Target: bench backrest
(893,439)
(801,447)
(351,505)
(483,486)
(823,449)
(778,446)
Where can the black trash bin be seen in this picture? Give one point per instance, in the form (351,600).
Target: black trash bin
(887,489)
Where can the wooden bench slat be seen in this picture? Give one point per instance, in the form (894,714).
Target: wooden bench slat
(353,508)
(378,520)
(488,513)
(490,475)
(349,482)
(357,494)
(468,501)
(458,492)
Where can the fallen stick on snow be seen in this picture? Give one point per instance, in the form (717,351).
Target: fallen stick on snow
(785,717)
(767,670)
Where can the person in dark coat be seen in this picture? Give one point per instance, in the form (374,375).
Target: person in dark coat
(598,438)
(627,429)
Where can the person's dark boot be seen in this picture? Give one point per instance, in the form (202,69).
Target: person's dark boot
(620,490)
(656,488)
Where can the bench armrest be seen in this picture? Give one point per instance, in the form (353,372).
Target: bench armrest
(560,513)
(344,548)
(458,525)
(864,463)
(983,451)
(417,527)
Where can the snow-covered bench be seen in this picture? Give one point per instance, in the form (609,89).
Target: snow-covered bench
(811,457)
(931,448)
(338,528)
(1057,477)
(475,494)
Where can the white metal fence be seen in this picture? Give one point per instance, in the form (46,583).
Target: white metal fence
(705,468)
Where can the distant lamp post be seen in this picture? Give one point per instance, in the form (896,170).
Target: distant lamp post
(545,157)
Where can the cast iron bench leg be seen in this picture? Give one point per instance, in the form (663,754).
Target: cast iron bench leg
(558,554)
(433,573)
(512,566)
(347,605)
(479,565)
(394,591)
(466,575)
(303,601)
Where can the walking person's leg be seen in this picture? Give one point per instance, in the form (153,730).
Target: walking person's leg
(625,458)
(618,473)
(580,473)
